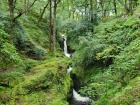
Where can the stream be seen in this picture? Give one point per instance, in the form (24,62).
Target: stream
(76,98)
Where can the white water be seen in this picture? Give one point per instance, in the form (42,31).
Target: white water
(65,47)
(76,96)
(69,70)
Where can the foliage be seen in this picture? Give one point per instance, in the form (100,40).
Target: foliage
(74,29)
(21,38)
(108,55)
(106,43)
(121,40)
(8,53)
(46,80)
(26,45)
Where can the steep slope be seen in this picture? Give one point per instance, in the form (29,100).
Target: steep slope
(110,58)
(29,74)
(46,84)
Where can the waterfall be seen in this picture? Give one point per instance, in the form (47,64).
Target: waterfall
(69,70)
(65,47)
(76,97)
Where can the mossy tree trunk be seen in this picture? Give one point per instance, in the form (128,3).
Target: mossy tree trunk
(53,8)
(11,4)
(91,13)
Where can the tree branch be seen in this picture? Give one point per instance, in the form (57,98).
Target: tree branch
(43,12)
(23,12)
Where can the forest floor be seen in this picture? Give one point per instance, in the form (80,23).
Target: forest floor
(46,83)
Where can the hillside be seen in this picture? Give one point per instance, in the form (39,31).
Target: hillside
(64,52)
(114,52)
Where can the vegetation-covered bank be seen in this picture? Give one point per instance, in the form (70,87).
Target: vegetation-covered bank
(103,35)
(29,73)
(111,58)
(46,84)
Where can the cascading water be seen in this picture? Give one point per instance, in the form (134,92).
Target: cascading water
(69,70)
(77,98)
(65,47)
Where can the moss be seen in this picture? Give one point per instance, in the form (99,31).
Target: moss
(118,82)
(47,83)
(37,34)
(8,53)
(129,95)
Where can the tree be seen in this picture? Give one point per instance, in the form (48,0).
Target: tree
(42,13)
(13,18)
(11,4)
(25,11)
(115,6)
(128,5)
(53,8)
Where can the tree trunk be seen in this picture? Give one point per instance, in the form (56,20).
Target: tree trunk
(51,26)
(115,7)
(130,7)
(54,24)
(91,14)
(11,4)
(53,7)
(25,6)
(126,7)
(102,8)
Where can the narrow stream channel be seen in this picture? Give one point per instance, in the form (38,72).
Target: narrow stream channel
(76,99)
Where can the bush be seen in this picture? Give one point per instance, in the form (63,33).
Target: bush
(92,51)
(119,41)
(8,53)
(109,39)
(22,41)
(26,45)
(74,30)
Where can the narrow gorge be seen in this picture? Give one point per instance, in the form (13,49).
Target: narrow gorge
(76,98)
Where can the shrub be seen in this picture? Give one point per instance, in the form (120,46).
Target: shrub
(109,40)
(92,51)
(22,40)
(8,53)
(120,42)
